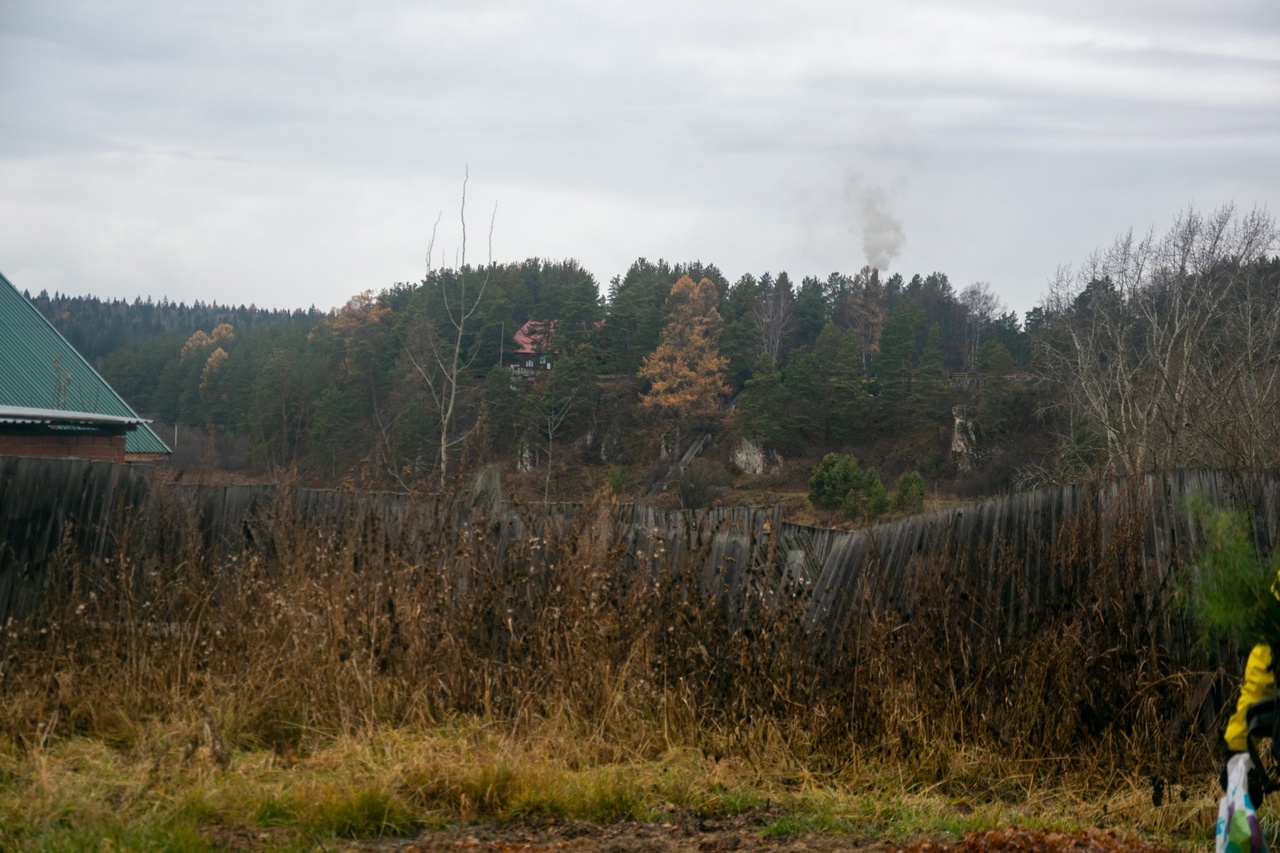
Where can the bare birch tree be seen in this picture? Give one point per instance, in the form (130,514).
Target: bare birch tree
(1166,348)
(774,311)
(982,306)
(438,354)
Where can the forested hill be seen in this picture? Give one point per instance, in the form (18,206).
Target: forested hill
(823,363)
(98,327)
(1131,363)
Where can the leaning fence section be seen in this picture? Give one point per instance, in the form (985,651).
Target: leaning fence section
(1010,563)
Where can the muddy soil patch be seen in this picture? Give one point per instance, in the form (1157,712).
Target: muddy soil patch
(745,836)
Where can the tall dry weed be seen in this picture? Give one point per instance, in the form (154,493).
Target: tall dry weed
(287,630)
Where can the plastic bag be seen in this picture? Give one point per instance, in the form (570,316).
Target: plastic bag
(1238,830)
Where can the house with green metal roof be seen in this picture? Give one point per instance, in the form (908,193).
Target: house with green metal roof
(52,401)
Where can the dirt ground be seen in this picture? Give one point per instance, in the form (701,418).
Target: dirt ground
(723,836)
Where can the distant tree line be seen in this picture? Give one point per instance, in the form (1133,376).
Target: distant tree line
(834,361)
(1131,362)
(98,327)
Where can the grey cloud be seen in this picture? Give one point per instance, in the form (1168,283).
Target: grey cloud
(294,146)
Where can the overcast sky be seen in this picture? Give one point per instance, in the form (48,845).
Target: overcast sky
(294,153)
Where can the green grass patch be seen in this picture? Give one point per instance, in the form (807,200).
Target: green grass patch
(162,836)
(364,814)
(804,824)
(277,811)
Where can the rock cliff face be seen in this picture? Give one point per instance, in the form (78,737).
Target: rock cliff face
(964,441)
(751,458)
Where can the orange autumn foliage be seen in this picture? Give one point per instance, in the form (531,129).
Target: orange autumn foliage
(212,365)
(199,340)
(686,371)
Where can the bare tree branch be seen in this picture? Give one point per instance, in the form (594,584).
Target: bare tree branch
(1166,349)
(442,362)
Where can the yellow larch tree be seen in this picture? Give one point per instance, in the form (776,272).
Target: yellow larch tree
(686,371)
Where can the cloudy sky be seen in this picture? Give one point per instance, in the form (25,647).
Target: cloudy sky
(294,153)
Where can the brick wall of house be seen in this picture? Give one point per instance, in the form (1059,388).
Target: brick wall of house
(105,447)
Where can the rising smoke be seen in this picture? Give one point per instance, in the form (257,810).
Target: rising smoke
(882,235)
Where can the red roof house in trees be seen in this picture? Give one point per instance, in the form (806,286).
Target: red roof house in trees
(536,347)
(534,352)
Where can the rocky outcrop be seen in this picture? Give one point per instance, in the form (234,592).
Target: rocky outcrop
(750,457)
(964,441)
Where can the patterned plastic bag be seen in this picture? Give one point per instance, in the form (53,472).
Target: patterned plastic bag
(1238,830)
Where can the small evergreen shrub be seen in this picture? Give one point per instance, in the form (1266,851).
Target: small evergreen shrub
(839,482)
(1236,588)
(854,504)
(835,477)
(910,495)
(877,499)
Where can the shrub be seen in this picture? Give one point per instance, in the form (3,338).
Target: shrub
(877,499)
(1235,585)
(700,484)
(854,504)
(835,477)
(839,482)
(910,495)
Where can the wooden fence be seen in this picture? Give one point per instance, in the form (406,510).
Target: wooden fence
(1028,552)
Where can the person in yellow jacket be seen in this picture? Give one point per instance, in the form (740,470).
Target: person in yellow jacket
(1259,683)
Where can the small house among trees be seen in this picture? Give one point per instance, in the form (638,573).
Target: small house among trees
(534,352)
(538,345)
(52,402)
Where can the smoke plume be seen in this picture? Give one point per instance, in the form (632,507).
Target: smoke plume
(882,236)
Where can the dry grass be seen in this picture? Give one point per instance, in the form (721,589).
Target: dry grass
(400,782)
(340,683)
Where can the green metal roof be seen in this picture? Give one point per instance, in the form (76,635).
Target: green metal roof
(40,370)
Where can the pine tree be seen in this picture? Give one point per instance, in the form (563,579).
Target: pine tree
(895,364)
(633,325)
(805,403)
(846,401)
(763,406)
(931,395)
